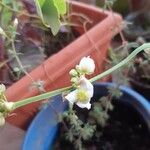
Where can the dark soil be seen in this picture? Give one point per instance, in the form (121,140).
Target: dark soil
(125,131)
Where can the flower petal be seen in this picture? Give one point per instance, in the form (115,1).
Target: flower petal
(86,85)
(83,94)
(81,105)
(71,97)
(87,65)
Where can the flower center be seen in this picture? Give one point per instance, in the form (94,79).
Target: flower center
(82,96)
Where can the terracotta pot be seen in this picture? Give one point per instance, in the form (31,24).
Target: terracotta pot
(54,71)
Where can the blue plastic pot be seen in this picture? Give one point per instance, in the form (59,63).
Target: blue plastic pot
(42,131)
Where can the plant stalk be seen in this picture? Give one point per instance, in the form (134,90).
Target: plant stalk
(59,91)
(40,97)
(122,63)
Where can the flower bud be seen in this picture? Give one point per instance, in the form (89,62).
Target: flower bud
(74,80)
(87,65)
(9,106)
(73,72)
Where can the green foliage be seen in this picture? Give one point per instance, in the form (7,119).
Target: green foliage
(50,12)
(78,130)
(61,6)
(99,116)
(117,55)
(87,131)
(8,10)
(99,113)
(5,18)
(138,68)
(115,92)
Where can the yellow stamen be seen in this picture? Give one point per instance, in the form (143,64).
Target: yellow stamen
(82,96)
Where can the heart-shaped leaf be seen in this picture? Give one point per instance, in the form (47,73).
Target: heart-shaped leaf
(50,12)
(61,6)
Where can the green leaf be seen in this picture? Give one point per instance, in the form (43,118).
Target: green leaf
(51,16)
(6,18)
(38,4)
(41,2)
(48,12)
(61,6)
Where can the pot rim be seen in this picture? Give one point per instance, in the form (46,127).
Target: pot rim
(140,84)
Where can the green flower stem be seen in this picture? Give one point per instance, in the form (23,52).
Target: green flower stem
(40,97)
(59,91)
(122,63)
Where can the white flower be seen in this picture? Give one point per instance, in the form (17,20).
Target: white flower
(87,65)
(82,95)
